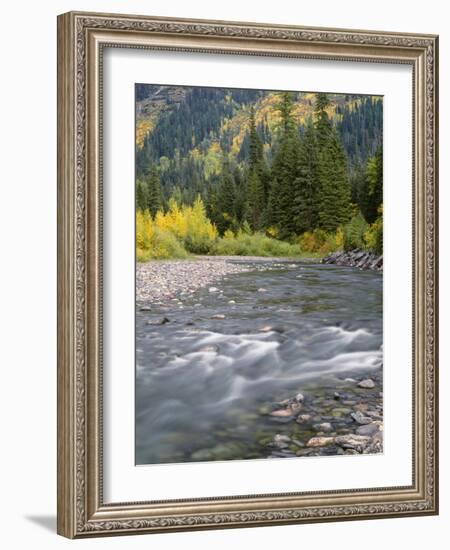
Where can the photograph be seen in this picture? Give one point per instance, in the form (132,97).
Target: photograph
(259,274)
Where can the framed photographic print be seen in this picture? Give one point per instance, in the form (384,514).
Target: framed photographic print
(247,274)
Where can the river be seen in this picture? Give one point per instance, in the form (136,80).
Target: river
(211,368)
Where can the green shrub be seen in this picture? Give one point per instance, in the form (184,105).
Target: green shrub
(354,233)
(257,244)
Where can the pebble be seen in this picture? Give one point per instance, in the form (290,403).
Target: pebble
(303,418)
(352,441)
(162,321)
(360,418)
(324,427)
(368,383)
(368,429)
(320,441)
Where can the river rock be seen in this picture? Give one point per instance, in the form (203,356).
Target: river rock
(353,441)
(162,321)
(374,414)
(369,429)
(213,289)
(360,418)
(231,301)
(281,441)
(303,418)
(266,328)
(262,289)
(219,316)
(320,441)
(300,398)
(324,427)
(368,383)
(282,413)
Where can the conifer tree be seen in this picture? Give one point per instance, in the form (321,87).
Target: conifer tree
(285,170)
(226,200)
(141,195)
(256,179)
(306,195)
(154,195)
(333,190)
(373,191)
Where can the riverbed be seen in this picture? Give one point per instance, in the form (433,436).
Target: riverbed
(260,359)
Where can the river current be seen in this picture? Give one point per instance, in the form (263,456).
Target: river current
(207,368)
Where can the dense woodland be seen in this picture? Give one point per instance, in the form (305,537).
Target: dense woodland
(304,169)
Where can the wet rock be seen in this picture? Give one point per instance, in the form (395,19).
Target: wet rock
(368,383)
(300,398)
(262,289)
(213,289)
(145,308)
(374,414)
(281,441)
(288,411)
(324,427)
(355,258)
(162,321)
(339,412)
(303,418)
(231,301)
(336,395)
(219,316)
(353,441)
(369,429)
(359,417)
(266,328)
(283,454)
(320,441)
(281,413)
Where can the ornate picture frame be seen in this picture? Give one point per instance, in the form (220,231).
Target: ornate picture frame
(82,38)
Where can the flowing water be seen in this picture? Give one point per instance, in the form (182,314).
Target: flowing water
(203,385)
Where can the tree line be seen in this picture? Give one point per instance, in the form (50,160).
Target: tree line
(306,183)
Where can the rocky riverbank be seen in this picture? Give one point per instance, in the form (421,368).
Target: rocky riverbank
(161,282)
(327,422)
(355,258)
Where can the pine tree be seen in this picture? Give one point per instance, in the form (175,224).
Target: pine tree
(373,190)
(333,190)
(154,195)
(226,200)
(257,178)
(285,170)
(141,195)
(307,183)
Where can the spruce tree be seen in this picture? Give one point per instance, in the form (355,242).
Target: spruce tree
(141,195)
(226,200)
(257,178)
(373,190)
(154,195)
(306,195)
(333,190)
(285,170)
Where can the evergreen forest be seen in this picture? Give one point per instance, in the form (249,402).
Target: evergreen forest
(248,172)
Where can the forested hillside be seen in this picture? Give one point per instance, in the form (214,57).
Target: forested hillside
(300,167)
